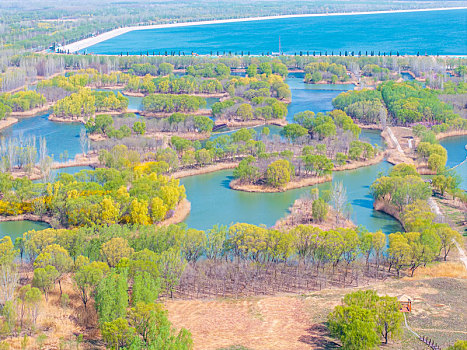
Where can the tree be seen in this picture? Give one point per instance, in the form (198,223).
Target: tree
(246,170)
(293,131)
(117,333)
(398,251)
(55,256)
(389,318)
(316,77)
(158,209)
(146,288)
(338,199)
(447,237)
(319,210)
(279,173)
(458,345)
(29,298)
(139,212)
(265,68)
(165,68)
(87,278)
(44,279)
(245,111)
(171,264)
(115,249)
(252,70)
(362,317)
(354,326)
(111,297)
(7,251)
(139,128)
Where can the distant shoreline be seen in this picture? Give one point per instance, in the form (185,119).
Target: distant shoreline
(85,43)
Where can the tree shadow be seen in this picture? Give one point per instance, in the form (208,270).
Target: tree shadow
(318,337)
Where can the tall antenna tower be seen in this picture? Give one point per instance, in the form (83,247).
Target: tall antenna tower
(280,52)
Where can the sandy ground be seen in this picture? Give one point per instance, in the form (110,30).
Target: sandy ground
(5,123)
(82,44)
(204,170)
(302,182)
(287,322)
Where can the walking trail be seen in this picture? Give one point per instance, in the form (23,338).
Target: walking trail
(435,208)
(394,140)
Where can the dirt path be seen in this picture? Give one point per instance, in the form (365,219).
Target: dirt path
(435,209)
(394,140)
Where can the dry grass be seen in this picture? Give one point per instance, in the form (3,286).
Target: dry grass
(5,123)
(301,214)
(301,182)
(448,269)
(256,122)
(60,324)
(298,322)
(360,164)
(204,170)
(181,212)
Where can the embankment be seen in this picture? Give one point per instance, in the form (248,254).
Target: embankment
(5,123)
(302,182)
(204,170)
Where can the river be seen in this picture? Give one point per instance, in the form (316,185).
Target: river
(428,32)
(457,154)
(212,201)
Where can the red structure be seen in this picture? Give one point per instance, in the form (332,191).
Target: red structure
(405,306)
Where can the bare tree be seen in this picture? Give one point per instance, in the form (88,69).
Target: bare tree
(339,199)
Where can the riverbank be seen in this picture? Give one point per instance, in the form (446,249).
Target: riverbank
(452,133)
(250,123)
(359,164)
(180,213)
(205,112)
(388,208)
(220,95)
(302,182)
(85,43)
(204,170)
(5,123)
(34,111)
(32,217)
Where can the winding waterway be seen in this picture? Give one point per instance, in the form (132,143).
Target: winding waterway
(213,202)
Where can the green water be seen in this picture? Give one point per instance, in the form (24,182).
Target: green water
(16,229)
(213,202)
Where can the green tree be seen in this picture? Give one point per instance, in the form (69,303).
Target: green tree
(44,279)
(115,249)
(112,297)
(117,333)
(87,278)
(57,257)
(293,131)
(279,173)
(146,288)
(139,128)
(252,70)
(319,210)
(458,345)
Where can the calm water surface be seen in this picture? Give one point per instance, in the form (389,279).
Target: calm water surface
(16,229)
(59,136)
(312,97)
(456,155)
(212,201)
(432,32)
